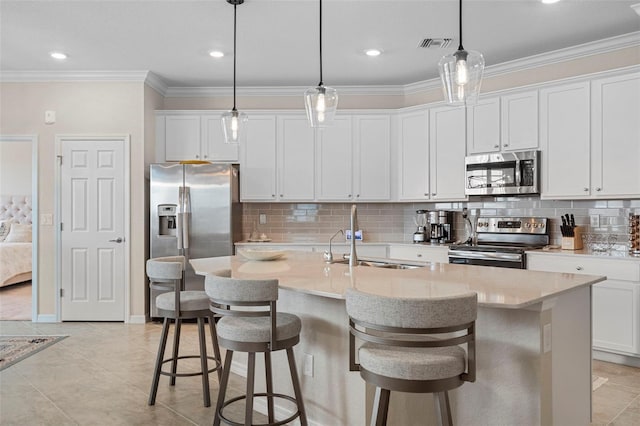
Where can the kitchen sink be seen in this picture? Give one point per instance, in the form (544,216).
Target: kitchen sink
(379,264)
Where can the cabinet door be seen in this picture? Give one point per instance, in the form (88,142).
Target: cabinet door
(420,253)
(446,153)
(565,140)
(372,151)
(296,169)
(258,165)
(413,158)
(616,136)
(334,161)
(519,121)
(616,316)
(483,126)
(182,137)
(213,146)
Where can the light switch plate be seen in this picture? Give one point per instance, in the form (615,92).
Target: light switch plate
(263,219)
(46,219)
(594,220)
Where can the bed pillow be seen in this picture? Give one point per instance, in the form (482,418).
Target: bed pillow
(5,226)
(19,233)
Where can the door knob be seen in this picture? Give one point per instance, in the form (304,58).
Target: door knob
(117,240)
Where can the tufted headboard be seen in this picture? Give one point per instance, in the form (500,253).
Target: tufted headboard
(16,207)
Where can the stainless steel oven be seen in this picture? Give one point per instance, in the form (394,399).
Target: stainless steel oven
(508,173)
(502,242)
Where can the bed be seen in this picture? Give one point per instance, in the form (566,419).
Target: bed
(15,239)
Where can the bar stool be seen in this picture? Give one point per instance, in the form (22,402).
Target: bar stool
(249,329)
(166,273)
(402,351)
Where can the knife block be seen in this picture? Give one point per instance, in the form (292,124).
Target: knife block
(575,242)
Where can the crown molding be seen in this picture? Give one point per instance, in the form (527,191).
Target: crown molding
(157,83)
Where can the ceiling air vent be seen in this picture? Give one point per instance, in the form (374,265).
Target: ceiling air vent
(435,43)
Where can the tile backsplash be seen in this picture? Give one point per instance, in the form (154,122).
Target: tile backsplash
(393,222)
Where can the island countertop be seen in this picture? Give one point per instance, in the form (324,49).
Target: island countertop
(496,287)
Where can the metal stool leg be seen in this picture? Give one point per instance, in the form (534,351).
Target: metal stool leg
(159,359)
(296,386)
(216,347)
(176,345)
(251,374)
(269,382)
(380,407)
(443,408)
(203,363)
(226,371)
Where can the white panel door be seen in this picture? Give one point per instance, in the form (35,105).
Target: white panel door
(372,152)
(296,171)
(483,126)
(182,137)
(447,148)
(92,261)
(258,160)
(334,161)
(414,156)
(214,148)
(519,121)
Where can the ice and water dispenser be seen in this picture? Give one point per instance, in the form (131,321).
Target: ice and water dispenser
(167,218)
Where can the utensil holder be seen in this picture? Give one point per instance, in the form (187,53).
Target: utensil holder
(575,242)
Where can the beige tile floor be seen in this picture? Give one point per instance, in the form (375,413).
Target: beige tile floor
(101,374)
(15,302)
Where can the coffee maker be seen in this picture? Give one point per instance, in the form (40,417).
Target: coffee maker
(441,224)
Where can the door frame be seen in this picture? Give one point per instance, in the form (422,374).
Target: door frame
(33,140)
(125,139)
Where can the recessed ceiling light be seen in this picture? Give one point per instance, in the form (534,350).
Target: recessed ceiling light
(373,52)
(549,1)
(216,54)
(58,55)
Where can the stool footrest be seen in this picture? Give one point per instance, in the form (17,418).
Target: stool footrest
(198,373)
(264,394)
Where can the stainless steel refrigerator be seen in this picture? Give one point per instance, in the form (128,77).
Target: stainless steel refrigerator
(195,212)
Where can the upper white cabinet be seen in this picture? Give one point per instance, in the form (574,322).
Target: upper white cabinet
(519,120)
(615,133)
(589,134)
(334,160)
(191,136)
(483,126)
(258,175)
(296,171)
(565,140)
(413,156)
(446,153)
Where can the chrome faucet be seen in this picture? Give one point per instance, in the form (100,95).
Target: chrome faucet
(328,255)
(353,257)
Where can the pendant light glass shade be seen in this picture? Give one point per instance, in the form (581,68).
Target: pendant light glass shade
(233,126)
(320,102)
(234,122)
(461,73)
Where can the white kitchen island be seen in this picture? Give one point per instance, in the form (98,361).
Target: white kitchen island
(533,348)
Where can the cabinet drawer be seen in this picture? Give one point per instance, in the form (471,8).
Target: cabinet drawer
(611,268)
(420,253)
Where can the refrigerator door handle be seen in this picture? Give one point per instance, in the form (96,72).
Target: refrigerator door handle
(186,217)
(180,217)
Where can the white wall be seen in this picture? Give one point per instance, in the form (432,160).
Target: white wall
(15,168)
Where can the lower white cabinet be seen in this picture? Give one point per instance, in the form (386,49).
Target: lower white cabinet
(616,301)
(420,253)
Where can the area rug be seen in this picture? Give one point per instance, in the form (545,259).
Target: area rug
(16,348)
(598,381)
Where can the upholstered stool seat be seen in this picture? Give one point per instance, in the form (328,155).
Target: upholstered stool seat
(412,345)
(247,325)
(166,273)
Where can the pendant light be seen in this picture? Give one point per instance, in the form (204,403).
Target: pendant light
(233,122)
(320,102)
(461,73)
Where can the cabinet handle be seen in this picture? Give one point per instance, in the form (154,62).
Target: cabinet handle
(426,194)
(586,189)
(206,156)
(280,195)
(357,195)
(433,194)
(419,255)
(273,195)
(578,268)
(197,156)
(496,146)
(505,145)
(598,189)
(349,196)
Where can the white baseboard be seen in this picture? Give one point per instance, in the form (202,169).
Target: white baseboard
(137,319)
(47,318)
(631,361)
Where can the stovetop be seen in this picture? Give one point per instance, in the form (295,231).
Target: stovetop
(494,248)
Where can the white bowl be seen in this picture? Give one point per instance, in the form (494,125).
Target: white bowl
(261,254)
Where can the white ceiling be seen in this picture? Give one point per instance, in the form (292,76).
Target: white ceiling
(278,39)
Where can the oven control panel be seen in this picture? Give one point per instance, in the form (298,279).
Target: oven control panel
(511,225)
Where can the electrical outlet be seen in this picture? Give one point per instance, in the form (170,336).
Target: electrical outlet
(308,365)
(546,338)
(263,219)
(594,220)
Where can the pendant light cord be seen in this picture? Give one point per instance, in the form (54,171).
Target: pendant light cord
(321,83)
(234,56)
(460,24)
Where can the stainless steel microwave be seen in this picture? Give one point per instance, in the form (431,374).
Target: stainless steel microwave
(507,173)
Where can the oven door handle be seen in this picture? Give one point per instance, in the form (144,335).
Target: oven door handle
(463,254)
